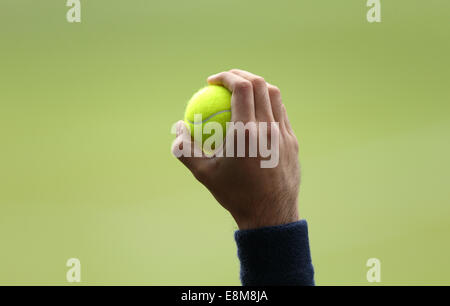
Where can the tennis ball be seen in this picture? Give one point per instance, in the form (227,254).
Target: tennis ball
(213,102)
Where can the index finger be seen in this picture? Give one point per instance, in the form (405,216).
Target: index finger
(242,100)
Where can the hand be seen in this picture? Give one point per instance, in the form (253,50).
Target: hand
(255,196)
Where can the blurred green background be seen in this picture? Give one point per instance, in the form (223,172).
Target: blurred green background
(86,111)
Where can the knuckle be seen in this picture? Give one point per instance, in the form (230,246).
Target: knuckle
(271,131)
(243,86)
(274,90)
(258,82)
(222,74)
(252,129)
(275,129)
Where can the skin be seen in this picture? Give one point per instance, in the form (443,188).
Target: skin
(255,197)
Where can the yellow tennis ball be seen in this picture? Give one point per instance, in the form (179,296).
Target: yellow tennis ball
(213,103)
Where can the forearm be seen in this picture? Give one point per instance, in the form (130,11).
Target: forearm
(278,255)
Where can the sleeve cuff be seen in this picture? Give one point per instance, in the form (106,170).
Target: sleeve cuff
(275,256)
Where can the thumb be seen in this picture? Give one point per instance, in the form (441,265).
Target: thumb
(188,151)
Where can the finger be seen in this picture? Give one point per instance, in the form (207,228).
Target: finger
(286,122)
(276,102)
(263,109)
(186,150)
(242,100)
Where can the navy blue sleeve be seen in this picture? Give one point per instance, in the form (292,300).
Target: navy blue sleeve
(275,256)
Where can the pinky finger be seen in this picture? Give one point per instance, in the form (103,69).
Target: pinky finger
(286,121)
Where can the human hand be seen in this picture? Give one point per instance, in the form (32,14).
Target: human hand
(255,196)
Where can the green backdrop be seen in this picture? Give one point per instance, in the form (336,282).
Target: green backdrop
(86,111)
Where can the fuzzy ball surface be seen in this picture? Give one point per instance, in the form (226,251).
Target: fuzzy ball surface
(213,103)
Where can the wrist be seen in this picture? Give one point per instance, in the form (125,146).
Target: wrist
(256,221)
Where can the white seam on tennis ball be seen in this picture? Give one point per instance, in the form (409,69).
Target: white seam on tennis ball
(213,115)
